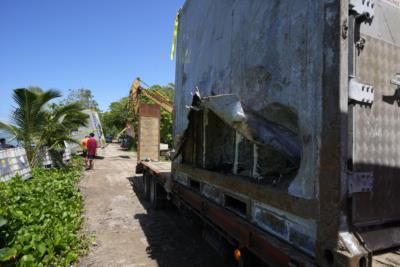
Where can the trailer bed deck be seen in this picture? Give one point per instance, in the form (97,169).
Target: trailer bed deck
(160,168)
(391,258)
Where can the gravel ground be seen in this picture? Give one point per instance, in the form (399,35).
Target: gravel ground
(127,232)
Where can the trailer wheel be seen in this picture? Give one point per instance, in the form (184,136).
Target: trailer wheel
(158,196)
(146,185)
(154,201)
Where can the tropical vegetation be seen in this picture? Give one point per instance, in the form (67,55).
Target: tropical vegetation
(40,218)
(114,120)
(165,117)
(82,96)
(39,125)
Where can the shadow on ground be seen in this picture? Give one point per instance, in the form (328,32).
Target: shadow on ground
(173,240)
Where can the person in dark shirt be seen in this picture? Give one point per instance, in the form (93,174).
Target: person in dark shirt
(91,145)
(4,145)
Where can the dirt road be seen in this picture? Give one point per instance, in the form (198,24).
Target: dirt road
(127,232)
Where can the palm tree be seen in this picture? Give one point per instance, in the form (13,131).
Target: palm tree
(28,116)
(58,124)
(37,125)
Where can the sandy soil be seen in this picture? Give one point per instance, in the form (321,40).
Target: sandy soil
(127,232)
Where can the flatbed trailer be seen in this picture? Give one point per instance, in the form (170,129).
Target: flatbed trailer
(155,176)
(286,122)
(223,228)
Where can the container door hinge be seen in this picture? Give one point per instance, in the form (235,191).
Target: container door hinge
(363,8)
(391,99)
(396,80)
(359,182)
(360,92)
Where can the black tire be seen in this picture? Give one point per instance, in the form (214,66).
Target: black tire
(158,195)
(153,194)
(146,185)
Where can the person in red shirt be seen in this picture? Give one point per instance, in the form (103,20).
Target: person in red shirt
(91,145)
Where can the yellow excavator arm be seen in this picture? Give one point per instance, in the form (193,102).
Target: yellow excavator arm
(137,90)
(159,99)
(134,103)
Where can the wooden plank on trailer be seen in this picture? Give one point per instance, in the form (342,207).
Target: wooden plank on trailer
(149,132)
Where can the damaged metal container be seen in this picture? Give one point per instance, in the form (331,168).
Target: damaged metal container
(287,115)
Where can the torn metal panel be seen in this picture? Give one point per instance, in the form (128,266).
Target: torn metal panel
(245,157)
(218,54)
(219,145)
(253,126)
(220,136)
(351,244)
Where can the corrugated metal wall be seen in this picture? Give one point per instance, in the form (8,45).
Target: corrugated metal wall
(13,161)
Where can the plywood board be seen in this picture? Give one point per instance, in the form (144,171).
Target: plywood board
(149,132)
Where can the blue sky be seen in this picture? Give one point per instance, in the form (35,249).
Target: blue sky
(97,44)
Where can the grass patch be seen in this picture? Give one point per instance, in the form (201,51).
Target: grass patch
(40,219)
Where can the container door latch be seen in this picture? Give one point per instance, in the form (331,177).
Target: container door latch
(363,8)
(359,182)
(360,92)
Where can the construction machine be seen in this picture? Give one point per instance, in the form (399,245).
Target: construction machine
(134,97)
(135,92)
(144,119)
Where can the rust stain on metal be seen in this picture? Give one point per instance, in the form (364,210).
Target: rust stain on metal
(268,248)
(300,207)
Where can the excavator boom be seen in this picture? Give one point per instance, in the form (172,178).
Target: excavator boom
(134,103)
(159,99)
(156,97)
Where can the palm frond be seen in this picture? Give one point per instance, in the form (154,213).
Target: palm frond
(30,116)
(66,110)
(8,128)
(48,95)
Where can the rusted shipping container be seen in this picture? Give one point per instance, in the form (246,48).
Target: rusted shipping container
(287,115)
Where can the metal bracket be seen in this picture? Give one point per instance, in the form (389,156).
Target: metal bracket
(360,182)
(363,8)
(360,44)
(396,80)
(194,108)
(396,96)
(361,92)
(345,29)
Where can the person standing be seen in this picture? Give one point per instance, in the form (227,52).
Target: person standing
(91,146)
(84,149)
(84,145)
(4,145)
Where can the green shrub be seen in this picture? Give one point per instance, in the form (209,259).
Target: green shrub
(40,218)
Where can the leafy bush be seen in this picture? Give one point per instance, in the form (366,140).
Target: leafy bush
(115,119)
(40,218)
